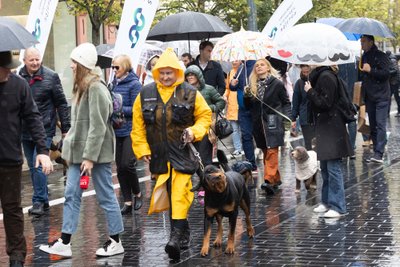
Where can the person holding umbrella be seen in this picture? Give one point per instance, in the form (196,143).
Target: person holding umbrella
(375,74)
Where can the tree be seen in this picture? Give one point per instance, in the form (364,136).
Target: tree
(232,12)
(98,11)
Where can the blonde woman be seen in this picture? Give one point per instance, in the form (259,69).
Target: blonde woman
(89,148)
(266,91)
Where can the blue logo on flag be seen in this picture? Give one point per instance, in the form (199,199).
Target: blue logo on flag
(139,23)
(36,33)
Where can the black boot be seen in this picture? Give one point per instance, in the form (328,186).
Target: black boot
(173,246)
(185,238)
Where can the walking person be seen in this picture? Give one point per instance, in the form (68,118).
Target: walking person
(49,96)
(89,149)
(375,74)
(266,96)
(127,84)
(212,70)
(17,106)
(164,111)
(394,81)
(300,107)
(237,84)
(332,139)
(194,77)
(232,108)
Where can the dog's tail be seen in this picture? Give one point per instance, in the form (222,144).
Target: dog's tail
(223,160)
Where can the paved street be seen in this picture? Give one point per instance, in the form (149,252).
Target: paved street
(288,233)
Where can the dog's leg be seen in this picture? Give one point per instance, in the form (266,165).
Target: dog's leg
(245,205)
(230,246)
(298,186)
(218,239)
(307,183)
(314,181)
(207,233)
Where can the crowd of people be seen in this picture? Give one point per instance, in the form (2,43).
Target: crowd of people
(172,104)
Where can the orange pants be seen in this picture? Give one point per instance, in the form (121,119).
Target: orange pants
(271,165)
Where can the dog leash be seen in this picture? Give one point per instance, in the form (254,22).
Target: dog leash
(184,138)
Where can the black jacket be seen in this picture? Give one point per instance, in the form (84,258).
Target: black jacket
(268,127)
(375,85)
(213,74)
(330,129)
(49,96)
(17,105)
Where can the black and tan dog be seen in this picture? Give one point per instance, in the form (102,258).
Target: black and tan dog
(224,193)
(306,168)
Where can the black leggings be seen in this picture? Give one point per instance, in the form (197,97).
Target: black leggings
(126,170)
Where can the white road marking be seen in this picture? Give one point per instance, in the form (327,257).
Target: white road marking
(85,194)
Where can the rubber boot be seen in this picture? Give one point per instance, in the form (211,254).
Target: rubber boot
(185,238)
(173,245)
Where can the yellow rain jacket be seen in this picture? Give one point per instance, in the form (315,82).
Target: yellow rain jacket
(181,197)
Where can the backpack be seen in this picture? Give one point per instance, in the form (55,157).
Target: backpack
(344,103)
(117,116)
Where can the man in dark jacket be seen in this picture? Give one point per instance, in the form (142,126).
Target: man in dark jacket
(394,80)
(212,71)
(332,139)
(48,94)
(17,106)
(376,91)
(300,107)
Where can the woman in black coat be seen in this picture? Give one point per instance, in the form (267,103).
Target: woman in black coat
(268,127)
(332,139)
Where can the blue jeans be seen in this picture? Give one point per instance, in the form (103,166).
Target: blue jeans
(332,194)
(102,181)
(377,114)
(352,129)
(246,128)
(237,143)
(39,179)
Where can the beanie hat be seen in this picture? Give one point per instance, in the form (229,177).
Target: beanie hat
(85,54)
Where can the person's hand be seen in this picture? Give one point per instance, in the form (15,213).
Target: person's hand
(146,158)
(87,166)
(225,98)
(307,86)
(234,82)
(63,135)
(189,135)
(44,161)
(294,124)
(366,68)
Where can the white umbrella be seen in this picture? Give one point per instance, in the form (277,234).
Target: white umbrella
(313,44)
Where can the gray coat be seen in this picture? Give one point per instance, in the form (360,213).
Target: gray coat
(91,135)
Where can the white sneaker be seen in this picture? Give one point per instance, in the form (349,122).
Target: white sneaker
(57,248)
(332,214)
(110,248)
(320,208)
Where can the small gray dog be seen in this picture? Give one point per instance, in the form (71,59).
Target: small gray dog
(306,168)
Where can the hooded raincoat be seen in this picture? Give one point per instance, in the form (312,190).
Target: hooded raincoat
(180,198)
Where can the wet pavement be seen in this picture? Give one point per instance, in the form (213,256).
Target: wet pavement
(288,233)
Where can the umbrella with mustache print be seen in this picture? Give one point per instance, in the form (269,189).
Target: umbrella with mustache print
(313,44)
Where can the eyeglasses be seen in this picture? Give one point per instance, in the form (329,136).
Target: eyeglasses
(115,67)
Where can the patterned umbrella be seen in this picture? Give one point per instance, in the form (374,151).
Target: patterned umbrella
(313,44)
(242,45)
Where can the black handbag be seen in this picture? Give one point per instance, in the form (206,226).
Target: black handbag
(223,127)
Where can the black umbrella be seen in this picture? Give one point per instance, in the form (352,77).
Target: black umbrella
(14,36)
(105,54)
(188,26)
(365,26)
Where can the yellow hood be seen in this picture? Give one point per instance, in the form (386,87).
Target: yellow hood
(168,59)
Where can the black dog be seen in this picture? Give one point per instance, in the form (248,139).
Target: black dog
(224,193)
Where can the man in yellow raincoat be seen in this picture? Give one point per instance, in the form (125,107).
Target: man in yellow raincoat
(161,113)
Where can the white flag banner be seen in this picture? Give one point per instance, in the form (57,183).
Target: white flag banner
(285,16)
(39,22)
(137,17)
